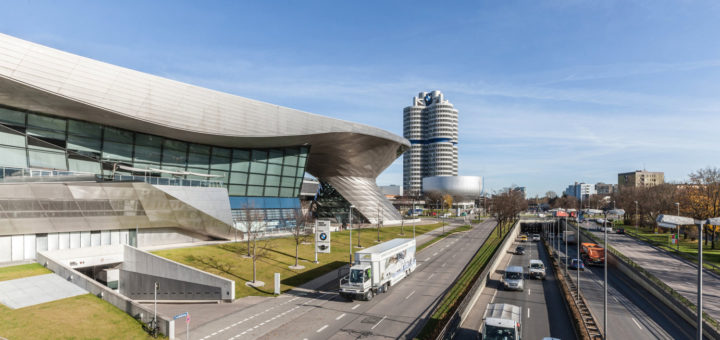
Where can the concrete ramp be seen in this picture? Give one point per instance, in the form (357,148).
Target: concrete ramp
(34,290)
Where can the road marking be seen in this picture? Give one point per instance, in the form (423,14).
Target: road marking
(528,293)
(340,317)
(616,299)
(427,259)
(435,253)
(444,264)
(413,292)
(356,306)
(638,324)
(322,328)
(528,313)
(431,275)
(383,318)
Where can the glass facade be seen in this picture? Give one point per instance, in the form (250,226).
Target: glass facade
(34,140)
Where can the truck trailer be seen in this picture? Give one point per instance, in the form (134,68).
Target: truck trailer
(569,235)
(593,254)
(377,268)
(502,321)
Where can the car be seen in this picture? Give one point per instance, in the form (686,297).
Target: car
(513,279)
(520,250)
(577,265)
(523,238)
(536,237)
(537,269)
(620,230)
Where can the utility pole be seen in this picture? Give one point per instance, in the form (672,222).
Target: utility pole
(605,286)
(699,284)
(350,229)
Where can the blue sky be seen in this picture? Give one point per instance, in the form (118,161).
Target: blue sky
(549,92)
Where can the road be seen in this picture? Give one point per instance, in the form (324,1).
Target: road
(325,315)
(539,301)
(675,272)
(633,313)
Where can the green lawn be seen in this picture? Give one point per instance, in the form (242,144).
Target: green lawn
(79,317)
(23,270)
(227,259)
(688,248)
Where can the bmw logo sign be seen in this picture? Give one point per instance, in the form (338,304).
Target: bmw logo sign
(428,99)
(323,236)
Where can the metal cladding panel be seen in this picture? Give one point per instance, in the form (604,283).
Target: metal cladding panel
(460,186)
(364,194)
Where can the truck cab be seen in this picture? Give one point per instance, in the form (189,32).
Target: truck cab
(502,321)
(358,283)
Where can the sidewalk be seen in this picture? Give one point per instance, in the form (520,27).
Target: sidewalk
(677,273)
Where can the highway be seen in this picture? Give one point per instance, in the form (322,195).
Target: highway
(544,312)
(633,313)
(325,315)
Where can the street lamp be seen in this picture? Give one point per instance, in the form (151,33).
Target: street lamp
(618,213)
(669,221)
(350,229)
(677,236)
(413,216)
(636,218)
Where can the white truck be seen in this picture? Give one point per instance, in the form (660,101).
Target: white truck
(377,268)
(569,235)
(502,321)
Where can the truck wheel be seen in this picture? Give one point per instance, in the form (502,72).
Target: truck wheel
(369,295)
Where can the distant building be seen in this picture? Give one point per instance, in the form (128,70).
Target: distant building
(640,178)
(391,190)
(605,189)
(431,125)
(577,189)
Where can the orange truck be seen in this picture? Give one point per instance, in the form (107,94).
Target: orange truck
(593,254)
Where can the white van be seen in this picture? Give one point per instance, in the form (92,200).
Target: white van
(514,278)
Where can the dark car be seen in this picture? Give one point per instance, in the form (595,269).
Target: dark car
(577,265)
(620,230)
(520,250)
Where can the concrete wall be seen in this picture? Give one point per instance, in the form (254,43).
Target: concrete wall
(167,326)
(186,282)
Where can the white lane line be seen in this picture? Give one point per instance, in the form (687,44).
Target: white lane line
(616,299)
(356,306)
(431,275)
(528,313)
(528,293)
(427,259)
(322,328)
(637,323)
(413,292)
(444,264)
(383,318)
(435,253)
(340,317)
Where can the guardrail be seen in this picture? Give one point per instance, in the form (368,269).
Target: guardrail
(669,293)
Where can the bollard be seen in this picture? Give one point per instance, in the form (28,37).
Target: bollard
(277,283)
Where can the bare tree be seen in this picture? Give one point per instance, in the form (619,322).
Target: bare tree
(255,230)
(506,207)
(300,233)
(702,198)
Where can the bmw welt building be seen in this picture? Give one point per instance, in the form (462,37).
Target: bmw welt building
(95,154)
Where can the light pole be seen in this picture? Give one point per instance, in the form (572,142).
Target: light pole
(413,216)
(350,229)
(677,236)
(636,218)
(699,283)
(605,285)
(566,243)
(578,254)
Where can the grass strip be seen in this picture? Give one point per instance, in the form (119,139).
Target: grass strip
(451,300)
(23,270)
(444,235)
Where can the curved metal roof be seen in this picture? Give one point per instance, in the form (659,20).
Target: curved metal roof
(43,79)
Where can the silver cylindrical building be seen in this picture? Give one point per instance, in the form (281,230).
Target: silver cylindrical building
(431,125)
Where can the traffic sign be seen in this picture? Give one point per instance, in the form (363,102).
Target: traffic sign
(322,232)
(186,314)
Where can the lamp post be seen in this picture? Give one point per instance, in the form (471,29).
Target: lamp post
(636,218)
(566,243)
(413,216)
(350,229)
(618,213)
(677,236)
(669,221)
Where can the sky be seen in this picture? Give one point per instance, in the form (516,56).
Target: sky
(548,92)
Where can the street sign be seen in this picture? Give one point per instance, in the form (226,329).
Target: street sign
(183,315)
(322,236)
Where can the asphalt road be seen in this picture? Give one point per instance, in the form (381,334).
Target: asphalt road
(633,313)
(324,314)
(544,312)
(675,272)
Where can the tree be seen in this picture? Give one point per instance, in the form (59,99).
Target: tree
(506,207)
(447,201)
(551,195)
(701,198)
(300,233)
(255,230)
